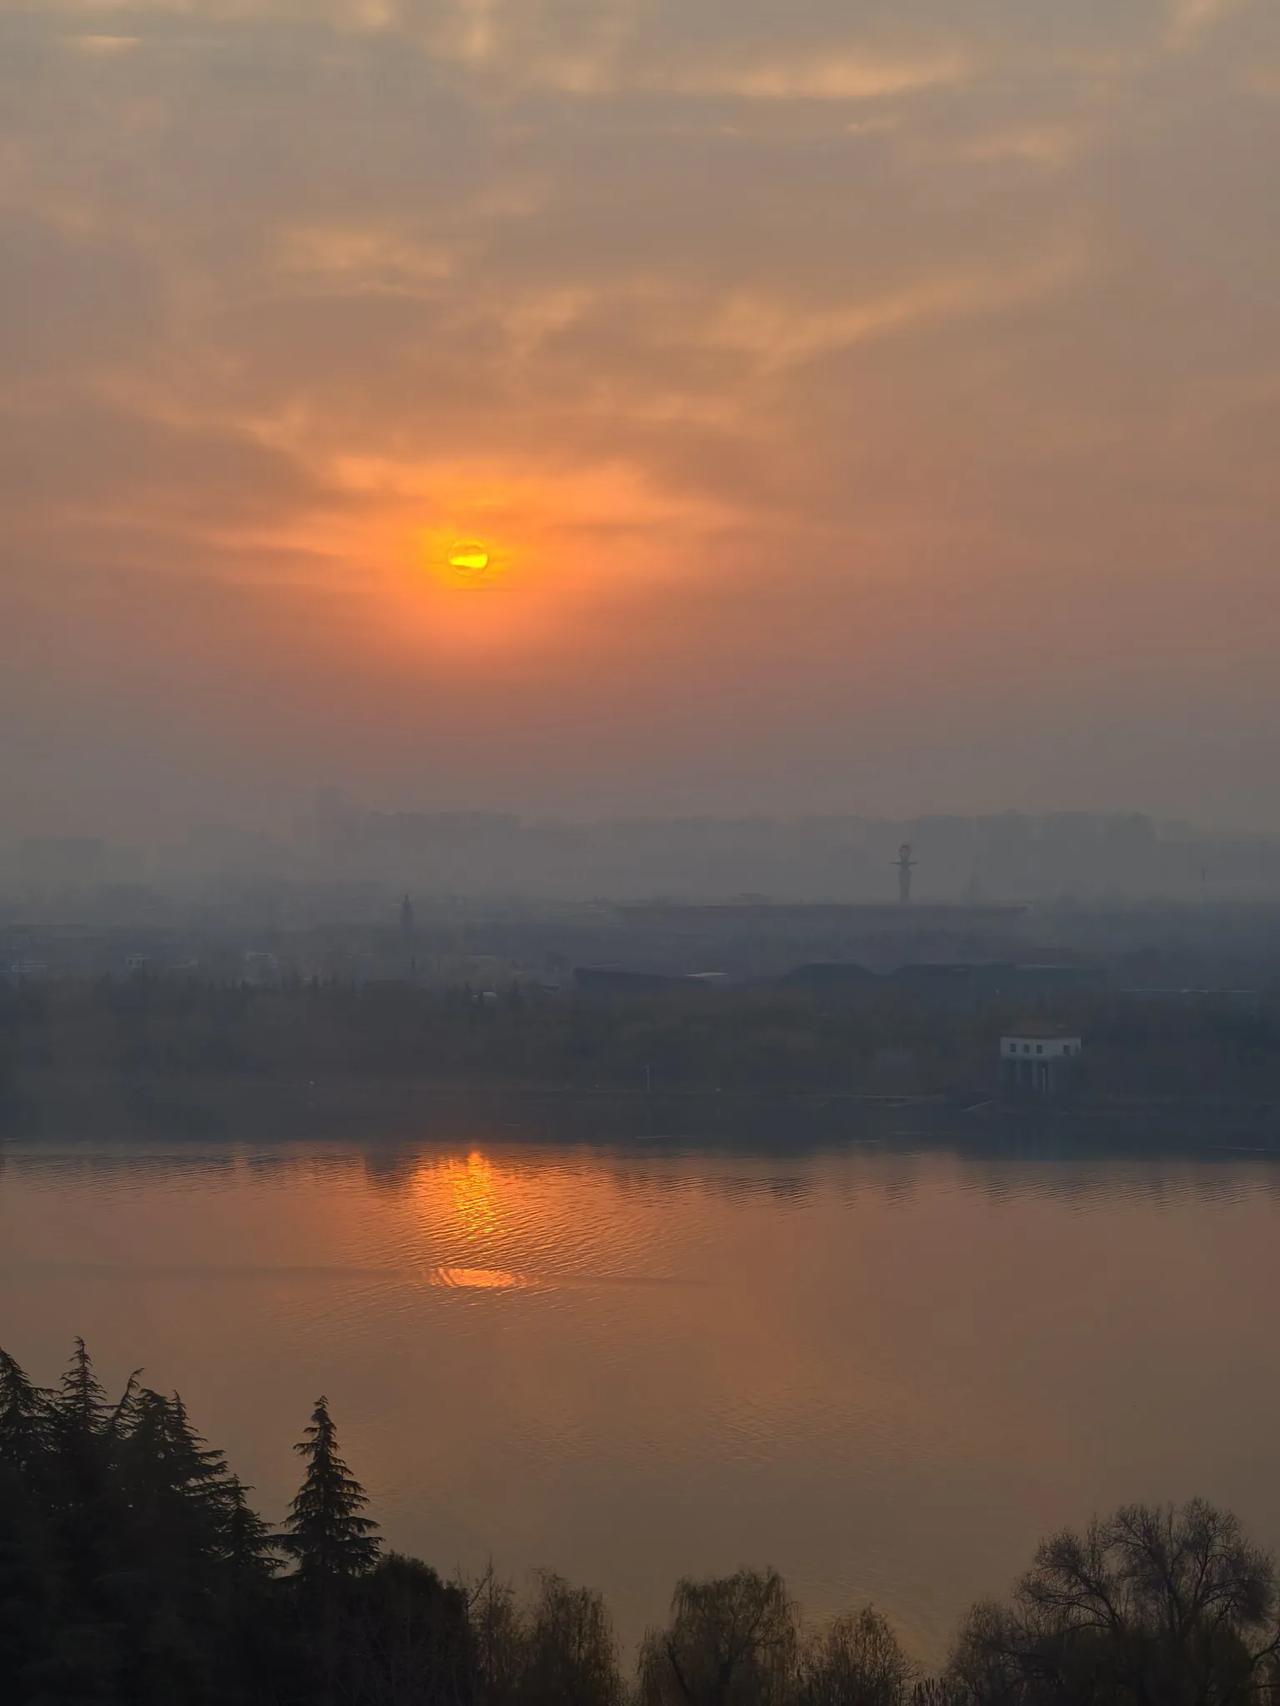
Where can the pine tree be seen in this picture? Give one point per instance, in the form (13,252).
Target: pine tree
(81,1408)
(24,1417)
(175,1487)
(199,1470)
(246,1541)
(325,1531)
(27,1562)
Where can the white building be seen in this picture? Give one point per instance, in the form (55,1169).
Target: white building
(1039,1059)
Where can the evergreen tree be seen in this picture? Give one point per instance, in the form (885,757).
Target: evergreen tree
(27,1577)
(198,1471)
(24,1417)
(81,1409)
(175,1487)
(325,1533)
(245,1541)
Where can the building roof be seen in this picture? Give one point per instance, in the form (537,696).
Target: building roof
(1041,1030)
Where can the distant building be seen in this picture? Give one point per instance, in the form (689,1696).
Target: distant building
(832,977)
(960,983)
(1247,1000)
(1039,1059)
(1038,980)
(26,971)
(623,980)
(261,970)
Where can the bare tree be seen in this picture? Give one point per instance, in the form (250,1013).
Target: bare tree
(496,1638)
(1156,1606)
(731,1641)
(570,1654)
(854,1661)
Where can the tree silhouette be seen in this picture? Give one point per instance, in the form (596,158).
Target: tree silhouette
(1155,1606)
(730,1642)
(133,1572)
(570,1656)
(325,1533)
(24,1417)
(81,1407)
(246,1544)
(855,1661)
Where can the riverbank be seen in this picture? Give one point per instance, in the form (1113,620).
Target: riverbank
(208,1060)
(264,1106)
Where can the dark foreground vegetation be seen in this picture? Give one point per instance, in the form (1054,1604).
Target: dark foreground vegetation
(134,1572)
(142,1029)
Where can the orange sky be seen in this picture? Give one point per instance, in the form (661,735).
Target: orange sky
(869,407)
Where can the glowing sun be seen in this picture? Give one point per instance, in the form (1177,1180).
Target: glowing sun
(470,563)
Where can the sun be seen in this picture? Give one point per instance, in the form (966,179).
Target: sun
(461,561)
(470,563)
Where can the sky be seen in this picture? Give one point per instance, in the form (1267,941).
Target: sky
(864,405)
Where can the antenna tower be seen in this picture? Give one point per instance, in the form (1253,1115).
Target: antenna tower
(904,864)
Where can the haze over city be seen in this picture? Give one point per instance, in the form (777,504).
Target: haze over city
(861,409)
(639,853)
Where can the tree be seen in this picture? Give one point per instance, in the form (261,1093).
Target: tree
(27,1566)
(325,1533)
(1157,1606)
(178,1491)
(730,1642)
(406,1639)
(497,1639)
(570,1654)
(81,1409)
(24,1417)
(855,1661)
(246,1544)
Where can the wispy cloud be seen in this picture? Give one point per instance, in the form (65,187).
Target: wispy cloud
(834,73)
(747,326)
(780,334)
(1189,20)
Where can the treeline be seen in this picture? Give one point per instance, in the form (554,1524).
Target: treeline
(134,1572)
(761,1039)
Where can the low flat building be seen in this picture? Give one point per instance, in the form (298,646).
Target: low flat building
(1039,1059)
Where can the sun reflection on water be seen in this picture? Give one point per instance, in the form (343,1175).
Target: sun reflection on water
(471,1192)
(477,1279)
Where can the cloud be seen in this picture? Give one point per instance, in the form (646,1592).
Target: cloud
(834,74)
(779,335)
(765,329)
(1191,19)
(69,299)
(102,47)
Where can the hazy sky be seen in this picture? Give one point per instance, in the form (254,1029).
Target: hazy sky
(867,404)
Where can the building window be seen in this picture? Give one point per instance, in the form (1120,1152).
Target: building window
(1039,1048)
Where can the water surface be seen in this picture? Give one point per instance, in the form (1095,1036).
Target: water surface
(887,1373)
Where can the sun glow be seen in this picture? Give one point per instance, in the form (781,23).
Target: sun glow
(469,561)
(472,1188)
(476,562)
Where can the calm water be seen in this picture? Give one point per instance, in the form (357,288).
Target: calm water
(885,1373)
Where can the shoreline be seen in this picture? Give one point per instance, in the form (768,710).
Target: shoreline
(258,1107)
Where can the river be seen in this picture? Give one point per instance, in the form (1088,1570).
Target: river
(887,1372)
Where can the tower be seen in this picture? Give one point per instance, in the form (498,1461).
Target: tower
(407,921)
(904,864)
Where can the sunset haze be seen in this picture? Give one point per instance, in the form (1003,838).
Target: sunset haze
(858,407)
